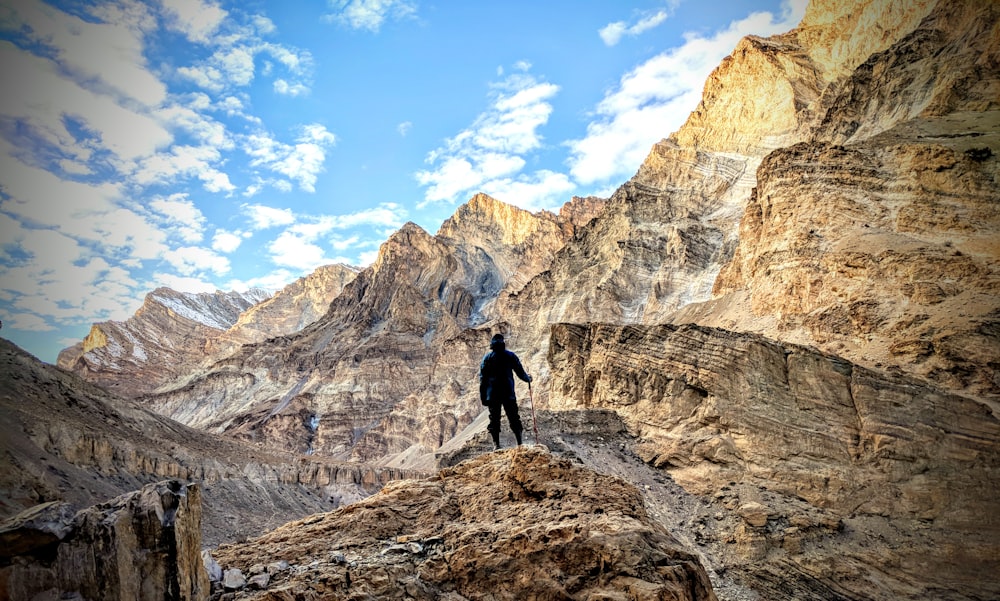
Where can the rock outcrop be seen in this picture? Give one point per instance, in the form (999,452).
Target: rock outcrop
(165,339)
(721,410)
(142,546)
(518,524)
(63,439)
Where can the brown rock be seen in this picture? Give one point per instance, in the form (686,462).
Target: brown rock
(143,546)
(516,524)
(869,448)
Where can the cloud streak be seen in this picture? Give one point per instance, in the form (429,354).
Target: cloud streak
(491,153)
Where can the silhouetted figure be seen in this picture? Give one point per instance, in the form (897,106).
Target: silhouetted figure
(496,387)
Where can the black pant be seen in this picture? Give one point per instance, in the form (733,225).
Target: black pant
(510,408)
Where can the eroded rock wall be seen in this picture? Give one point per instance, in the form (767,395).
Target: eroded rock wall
(717,409)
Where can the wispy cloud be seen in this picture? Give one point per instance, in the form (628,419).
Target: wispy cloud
(96,137)
(491,152)
(369,15)
(264,217)
(612,33)
(304,244)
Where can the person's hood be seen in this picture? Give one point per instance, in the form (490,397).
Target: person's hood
(497,344)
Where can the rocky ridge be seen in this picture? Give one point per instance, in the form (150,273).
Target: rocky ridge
(174,332)
(163,340)
(554,531)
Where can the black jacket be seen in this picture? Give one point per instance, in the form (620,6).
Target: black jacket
(496,374)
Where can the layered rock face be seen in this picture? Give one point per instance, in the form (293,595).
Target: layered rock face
(65,440)
(143,546)
(724,411)
(163,340)
(878,240)
(392,366)
(519,524)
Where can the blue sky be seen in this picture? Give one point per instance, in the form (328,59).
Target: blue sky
(207,145)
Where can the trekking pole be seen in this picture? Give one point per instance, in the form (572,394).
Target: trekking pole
(534,422)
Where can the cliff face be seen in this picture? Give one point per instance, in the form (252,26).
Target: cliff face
(143,546)
(391,367)
(520,524)
(877,240)
(730,415)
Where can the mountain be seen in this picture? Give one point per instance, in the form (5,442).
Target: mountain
(63,439)
(784,328)
(390,369)
(174,332)
(163,340)
(290,309)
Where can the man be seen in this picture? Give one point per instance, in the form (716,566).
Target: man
(496,387)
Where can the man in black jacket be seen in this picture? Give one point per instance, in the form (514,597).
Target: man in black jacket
(496,387)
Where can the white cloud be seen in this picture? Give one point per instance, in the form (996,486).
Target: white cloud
(404,128)
(185,161)
(181,283)
(540,190)
(493,146)
(44,98)
(272,282)
(289,89)
(188,260)
(301,162)
(292,250)
(612,33)
(264,217)
(108,53)
(656,97)
(28,322)
(196,19)
(226,242)
(185,218)
(369,14)
(367,258)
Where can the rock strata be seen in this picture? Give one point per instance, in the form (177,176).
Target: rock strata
(143,546)
(163,340)
(516,524)
(716,408)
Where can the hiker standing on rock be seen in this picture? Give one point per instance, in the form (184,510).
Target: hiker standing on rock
(496,387)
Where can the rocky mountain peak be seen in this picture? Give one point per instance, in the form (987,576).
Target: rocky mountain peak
(484,215)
